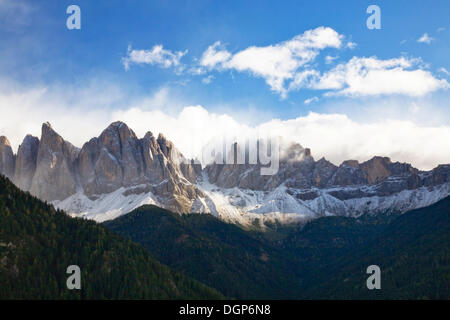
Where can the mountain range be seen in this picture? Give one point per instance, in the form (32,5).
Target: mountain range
(117,172)
(326,258)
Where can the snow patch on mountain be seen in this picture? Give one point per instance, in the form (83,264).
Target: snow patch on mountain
(105,206)
(247,207)
(402,201)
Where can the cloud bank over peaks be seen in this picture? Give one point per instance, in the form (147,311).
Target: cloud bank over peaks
(331,135)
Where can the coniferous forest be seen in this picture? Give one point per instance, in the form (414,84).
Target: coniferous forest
(38,243)
(324,259)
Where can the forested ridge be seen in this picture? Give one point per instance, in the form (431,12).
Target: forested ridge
(221,254)
(325,259)
(38,243)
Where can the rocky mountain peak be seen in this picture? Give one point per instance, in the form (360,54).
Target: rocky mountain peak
(4,141)
(162,140)
(47,125)
(350,163)
(52,141)
(162,137)
(377,169)
(307,152)
(7,158)
(117,132)
(167,147)
(118,126)
(323,160)
(26,162)
(29,140)
(54,166)
(149,135)
(294,152)
(119,159)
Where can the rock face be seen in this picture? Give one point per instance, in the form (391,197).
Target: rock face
(54,178)
(117,171)
(53,169)
(323,172)
(7,159)
(110,161)
(26,162)
(305,173)
(295,169)
(117,158)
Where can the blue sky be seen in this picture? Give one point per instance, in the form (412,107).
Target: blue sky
(86,67)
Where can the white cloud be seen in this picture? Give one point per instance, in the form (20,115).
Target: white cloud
(156,56)
(443,70)
(440,29)
(330,59)
(208,79)
(310,100)
(27,110)
(275,63)
(212,57)
(337,137)
(351,45)
(77,113)
(371,76)
(288,66)
(425,39)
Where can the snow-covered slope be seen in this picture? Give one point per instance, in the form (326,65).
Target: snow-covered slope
(283,204)
(106,206)
(246,207)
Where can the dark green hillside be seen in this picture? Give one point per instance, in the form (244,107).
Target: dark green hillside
(413,252)
(218,254)
(325,259)
(38,243)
